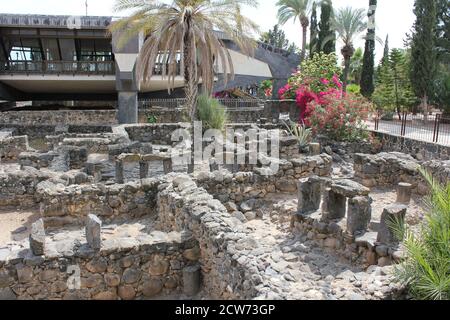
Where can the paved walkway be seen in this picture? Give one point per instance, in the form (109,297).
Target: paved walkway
(414,130)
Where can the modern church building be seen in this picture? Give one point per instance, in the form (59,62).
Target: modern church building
(62,58)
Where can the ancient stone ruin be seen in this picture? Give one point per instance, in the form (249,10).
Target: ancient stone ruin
(107,214)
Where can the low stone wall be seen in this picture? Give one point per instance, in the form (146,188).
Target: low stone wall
(392,168)
(69,205)
(18,187)
(11,147)
(332,235)
(243,186)
(227,273)
(40,131)
(148,266)
(154,133)
(59,117)
(420,150)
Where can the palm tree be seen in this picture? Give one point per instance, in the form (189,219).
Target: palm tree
(349,23)
(296,9)
(184,33)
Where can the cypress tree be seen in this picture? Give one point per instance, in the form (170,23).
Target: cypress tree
(386,50)
(367,77)
(327,36)
(314,39)
(423,55)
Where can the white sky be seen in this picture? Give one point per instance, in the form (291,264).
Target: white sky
(393,16)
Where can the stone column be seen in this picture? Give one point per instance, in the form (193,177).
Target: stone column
(167,164)
(336,205)
(359,214)
(404,193)
(143,169)
(191,280)
(37,238)
(314,149)
(119,172)
(309,194)
(93,232)
(213,165)
(392,215)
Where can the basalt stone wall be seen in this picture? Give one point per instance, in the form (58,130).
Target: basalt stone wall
(147,266)
(154,133)
(227,271)
(18,187)
(420,150)
(59,117)
(243,186)
(392,168)
(11,147)
(69,205)
(40,131)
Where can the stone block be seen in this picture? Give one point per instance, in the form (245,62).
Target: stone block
(143,169)
(93,232)
(391,215)
(404,193)
(335,206)
(119,172)
(359,214)
(314,149)
(37,238)
(191,280)
(309,195)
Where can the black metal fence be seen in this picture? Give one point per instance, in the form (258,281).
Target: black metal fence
(434,128)
(179,103)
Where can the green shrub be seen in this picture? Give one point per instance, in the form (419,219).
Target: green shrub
(354,88)
(152,119)
(211,113)
(426,270)
(299,131)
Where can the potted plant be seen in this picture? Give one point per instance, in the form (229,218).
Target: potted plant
(301,133)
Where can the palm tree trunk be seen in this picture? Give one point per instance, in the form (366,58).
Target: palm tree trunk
(305,31)
(346,70)
(190,75)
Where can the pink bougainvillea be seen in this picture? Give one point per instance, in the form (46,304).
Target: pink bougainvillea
(324,107)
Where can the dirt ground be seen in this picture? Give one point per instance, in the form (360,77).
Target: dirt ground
(15,225)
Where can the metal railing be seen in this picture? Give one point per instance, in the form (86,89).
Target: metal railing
(231,104)
(58,67)
(433,128)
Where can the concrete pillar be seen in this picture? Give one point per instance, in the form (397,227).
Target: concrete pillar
(359,214)
(143,169)
(119,172)
(93,232)
(390,217)
(191,280)
(37,238)
(128,107)
(404,193)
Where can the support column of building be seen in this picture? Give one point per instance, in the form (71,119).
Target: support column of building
(126,84)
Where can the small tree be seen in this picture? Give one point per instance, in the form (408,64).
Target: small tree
(423,63)
(394,89)
(367,81)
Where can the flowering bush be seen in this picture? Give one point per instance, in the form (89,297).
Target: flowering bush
(339,117)
(266,88)
(324,107)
